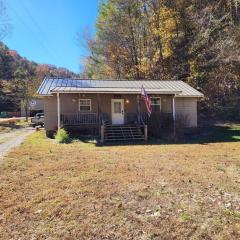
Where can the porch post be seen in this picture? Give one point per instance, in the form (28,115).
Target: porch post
(102,133)
(174,108)
(145,132)
(58,111)
(174,115)
(98,109)
(138,109)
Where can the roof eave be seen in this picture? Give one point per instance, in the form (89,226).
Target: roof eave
(119,92)
(190,96)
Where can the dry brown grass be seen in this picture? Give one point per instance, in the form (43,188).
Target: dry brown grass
(80,191)
(6,127)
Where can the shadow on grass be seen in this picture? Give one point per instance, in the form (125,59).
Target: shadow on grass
(214,134)
(91,139)
(201,135)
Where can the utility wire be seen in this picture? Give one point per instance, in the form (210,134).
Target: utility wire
(39,28)
(47,50)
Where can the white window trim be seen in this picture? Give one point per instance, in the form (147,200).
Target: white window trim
(160,106)
(84,105)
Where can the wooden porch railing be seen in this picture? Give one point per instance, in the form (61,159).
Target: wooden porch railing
(75,119)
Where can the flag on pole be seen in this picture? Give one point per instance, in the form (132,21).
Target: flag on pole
(147,100)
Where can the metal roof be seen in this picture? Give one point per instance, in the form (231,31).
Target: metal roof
(68,85)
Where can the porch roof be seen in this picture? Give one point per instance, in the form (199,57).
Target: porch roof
(68,85)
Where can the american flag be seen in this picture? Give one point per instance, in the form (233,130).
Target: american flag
(147,101)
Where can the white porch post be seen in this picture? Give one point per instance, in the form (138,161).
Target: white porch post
(58,111)
(174,109)
(102,133)
(174,115)
(145,132)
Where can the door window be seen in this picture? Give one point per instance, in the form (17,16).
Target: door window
(117,107)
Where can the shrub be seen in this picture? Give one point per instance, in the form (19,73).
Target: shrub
(62,136)
(160,124)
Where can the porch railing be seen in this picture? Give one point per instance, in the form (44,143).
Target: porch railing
(75,119)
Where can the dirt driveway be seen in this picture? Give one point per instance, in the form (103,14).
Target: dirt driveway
(12,139)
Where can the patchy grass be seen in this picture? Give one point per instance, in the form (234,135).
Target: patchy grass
(5,128)
(4,138)
(185,217)
(81,191)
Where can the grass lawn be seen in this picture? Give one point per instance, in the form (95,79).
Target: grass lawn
(83,191)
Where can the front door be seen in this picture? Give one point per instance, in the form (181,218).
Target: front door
(117,111)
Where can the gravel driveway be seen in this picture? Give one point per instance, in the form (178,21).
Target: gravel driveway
(12,139)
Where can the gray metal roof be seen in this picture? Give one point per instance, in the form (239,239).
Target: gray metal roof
(68,85)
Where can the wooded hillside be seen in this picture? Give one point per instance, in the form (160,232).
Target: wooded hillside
(20,78)
(196,41)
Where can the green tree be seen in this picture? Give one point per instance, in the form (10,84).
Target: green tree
(24,84)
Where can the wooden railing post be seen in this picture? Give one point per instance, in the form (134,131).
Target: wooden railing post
(145,132)
(102,133)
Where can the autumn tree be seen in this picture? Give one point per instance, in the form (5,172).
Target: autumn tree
(24,84)
(194,41)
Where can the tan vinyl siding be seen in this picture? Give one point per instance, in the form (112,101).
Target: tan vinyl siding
(187,107)
(50,113)
(166,102)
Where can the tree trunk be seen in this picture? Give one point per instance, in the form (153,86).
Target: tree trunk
(26,110)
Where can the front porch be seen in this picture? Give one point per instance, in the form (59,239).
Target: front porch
(121,117)
(136,127)
(130,130)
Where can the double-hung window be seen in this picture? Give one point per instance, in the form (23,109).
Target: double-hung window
(156,104)
(85,105)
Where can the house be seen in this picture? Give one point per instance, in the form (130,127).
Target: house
(35,105)
(114,107)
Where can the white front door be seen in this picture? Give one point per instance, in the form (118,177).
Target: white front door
(117,111)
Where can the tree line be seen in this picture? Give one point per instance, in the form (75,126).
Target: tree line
(197,41)
(20,78)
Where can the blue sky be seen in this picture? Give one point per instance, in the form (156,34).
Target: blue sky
(51,31)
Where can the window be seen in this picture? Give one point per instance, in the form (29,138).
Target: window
(156,104)
(117,107)
(85,105)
